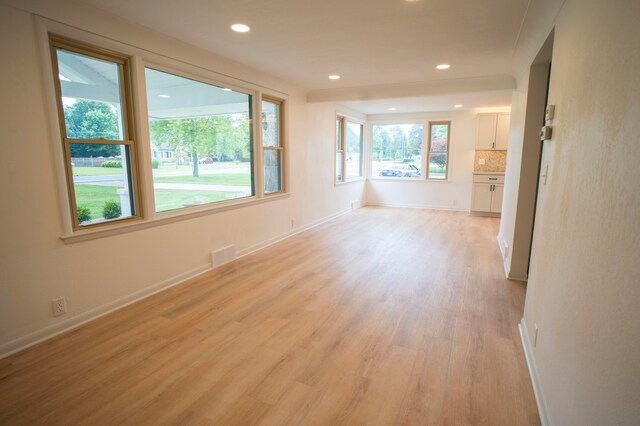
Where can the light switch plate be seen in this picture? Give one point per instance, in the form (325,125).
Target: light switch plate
(545,133)
(550,112)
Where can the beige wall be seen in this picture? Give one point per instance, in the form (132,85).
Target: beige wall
(104,273)
(584,283)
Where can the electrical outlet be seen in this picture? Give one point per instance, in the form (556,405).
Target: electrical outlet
(293,223)
(455,202)
(481,161)
(535,334)
(59,305)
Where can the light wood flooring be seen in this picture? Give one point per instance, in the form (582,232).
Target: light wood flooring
(380,317)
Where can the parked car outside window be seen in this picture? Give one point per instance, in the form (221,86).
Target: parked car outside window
(400,170)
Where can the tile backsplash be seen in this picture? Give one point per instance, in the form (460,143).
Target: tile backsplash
(494,161)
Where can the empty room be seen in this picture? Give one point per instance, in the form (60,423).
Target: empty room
(360,212)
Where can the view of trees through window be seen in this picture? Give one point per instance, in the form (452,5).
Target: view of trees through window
(207,130)
(95,137)
(438,150)
(272,146)
(353,159)
(396,150)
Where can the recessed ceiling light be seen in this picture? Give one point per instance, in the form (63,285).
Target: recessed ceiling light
(164,96)
(392,109)
(240,28)
(457,106)
(334,77)
(443,66)
(226,89)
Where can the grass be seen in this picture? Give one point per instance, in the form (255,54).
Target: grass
(171,199)
(94,197)
(240,179)
(101,171)
(95,171)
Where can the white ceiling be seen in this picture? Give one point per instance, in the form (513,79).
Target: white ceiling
(368,42)
(469,101)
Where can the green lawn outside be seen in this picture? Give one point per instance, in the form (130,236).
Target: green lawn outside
(241,179)
(101,171)
(225,165)
(95,171)
(94,196)
(170,199)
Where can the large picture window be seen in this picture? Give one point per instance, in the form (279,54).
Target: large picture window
(349,148)
(438,158)
(396,150)
(94,107)
(205,134)
(272,145)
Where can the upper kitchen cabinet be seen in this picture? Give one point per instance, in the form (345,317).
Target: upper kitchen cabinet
(493,131)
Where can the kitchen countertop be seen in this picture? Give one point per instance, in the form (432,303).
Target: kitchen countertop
(488,173)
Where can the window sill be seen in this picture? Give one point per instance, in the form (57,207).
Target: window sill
(360,179)
(166,218)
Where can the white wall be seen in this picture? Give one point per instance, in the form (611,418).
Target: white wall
(454,194)
(101,274)
(583,290)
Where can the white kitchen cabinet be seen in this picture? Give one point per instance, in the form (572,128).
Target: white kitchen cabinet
(486,194)
(481,197)
(496,198)
(493,131)
(502,130)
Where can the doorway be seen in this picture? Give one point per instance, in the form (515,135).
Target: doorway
(531,165)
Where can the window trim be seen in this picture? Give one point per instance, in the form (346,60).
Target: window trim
(420,122)
(123,61)
(446,175)
(281,144)
(344,120)
(199,68)
(425,122)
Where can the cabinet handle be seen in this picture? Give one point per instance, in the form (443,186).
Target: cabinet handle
(493,178)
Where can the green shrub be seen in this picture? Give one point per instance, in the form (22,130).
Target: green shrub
(111,210)
(112,164)
(155,164)
(84,214)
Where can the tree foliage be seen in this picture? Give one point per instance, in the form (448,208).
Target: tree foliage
(222,136)
(394,142)
(87,119)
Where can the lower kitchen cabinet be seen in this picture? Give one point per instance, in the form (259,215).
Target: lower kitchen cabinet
(486,195)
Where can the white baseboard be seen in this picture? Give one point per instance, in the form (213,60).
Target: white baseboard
(53,330)
(48,332)
(416,206)
(533,373)
(294,231)
(507,272)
